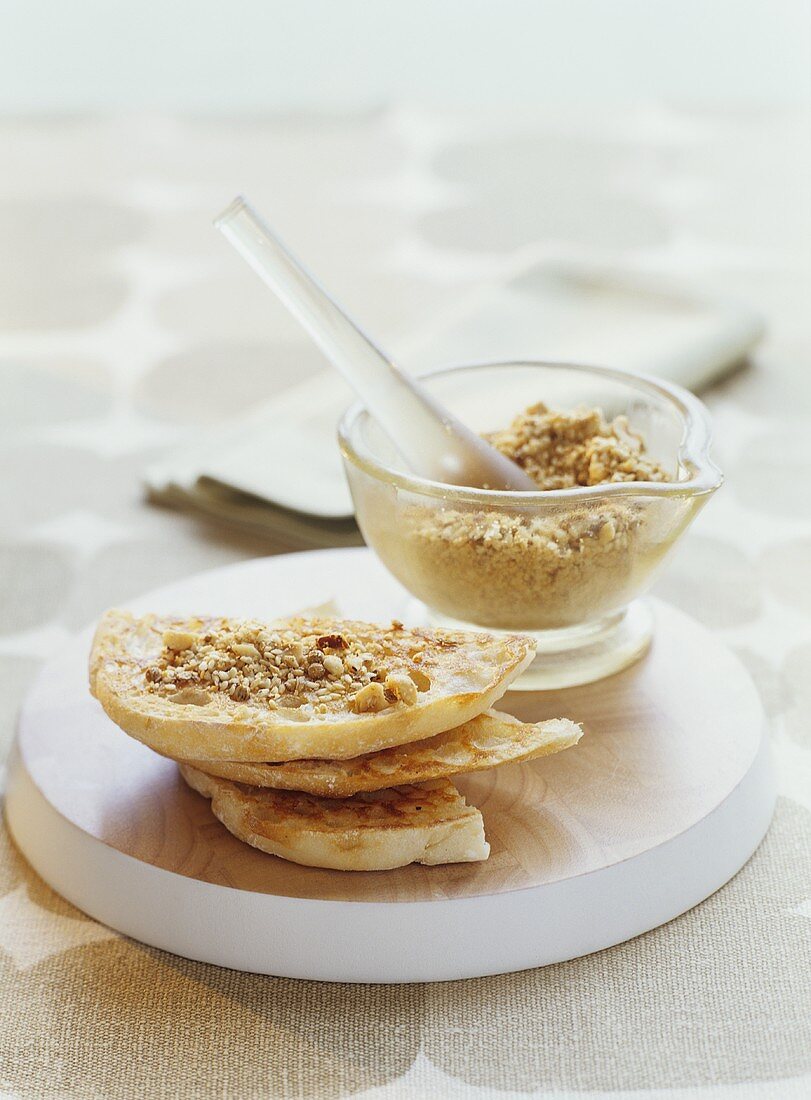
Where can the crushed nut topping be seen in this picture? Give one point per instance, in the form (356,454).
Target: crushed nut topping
(293,665)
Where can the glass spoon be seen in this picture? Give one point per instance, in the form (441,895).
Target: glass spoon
(431,440)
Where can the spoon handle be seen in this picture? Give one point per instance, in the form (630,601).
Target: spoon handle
(422,431)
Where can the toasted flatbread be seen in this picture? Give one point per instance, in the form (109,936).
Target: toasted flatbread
(428,823)
(484,742)
(153,676)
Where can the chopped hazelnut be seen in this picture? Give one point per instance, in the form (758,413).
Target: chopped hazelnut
(179,639)
(421,679)
(371,698)
(334,665)
(402,687)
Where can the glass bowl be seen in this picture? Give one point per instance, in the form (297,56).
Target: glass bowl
(567,565)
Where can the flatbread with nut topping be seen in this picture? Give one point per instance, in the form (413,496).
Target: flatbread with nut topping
(429,823)
(240,690)
(484,742)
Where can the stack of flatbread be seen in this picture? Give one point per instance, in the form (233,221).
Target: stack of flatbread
(323,741)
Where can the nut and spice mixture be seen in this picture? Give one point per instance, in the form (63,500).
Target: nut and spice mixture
(301,662)
(544,568)
(562,450)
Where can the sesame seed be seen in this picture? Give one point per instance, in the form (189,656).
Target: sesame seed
(255,664)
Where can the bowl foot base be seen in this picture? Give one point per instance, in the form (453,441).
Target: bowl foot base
(578,655)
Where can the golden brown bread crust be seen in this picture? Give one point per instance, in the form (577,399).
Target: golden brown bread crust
(469,671)
(485,741)
(429,823)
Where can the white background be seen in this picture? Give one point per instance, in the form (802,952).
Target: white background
(225,55)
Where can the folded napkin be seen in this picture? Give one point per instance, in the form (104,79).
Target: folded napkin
(278,471)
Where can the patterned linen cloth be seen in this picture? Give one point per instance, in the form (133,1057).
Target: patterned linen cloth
(126,326)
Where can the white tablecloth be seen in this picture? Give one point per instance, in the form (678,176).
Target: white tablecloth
(126,326)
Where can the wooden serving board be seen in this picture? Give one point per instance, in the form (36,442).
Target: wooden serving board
(664,798)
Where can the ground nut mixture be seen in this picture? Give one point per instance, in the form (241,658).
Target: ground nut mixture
(536,571)
(294,665)
(562,450)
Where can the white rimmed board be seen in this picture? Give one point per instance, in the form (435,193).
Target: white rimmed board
(666,796)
